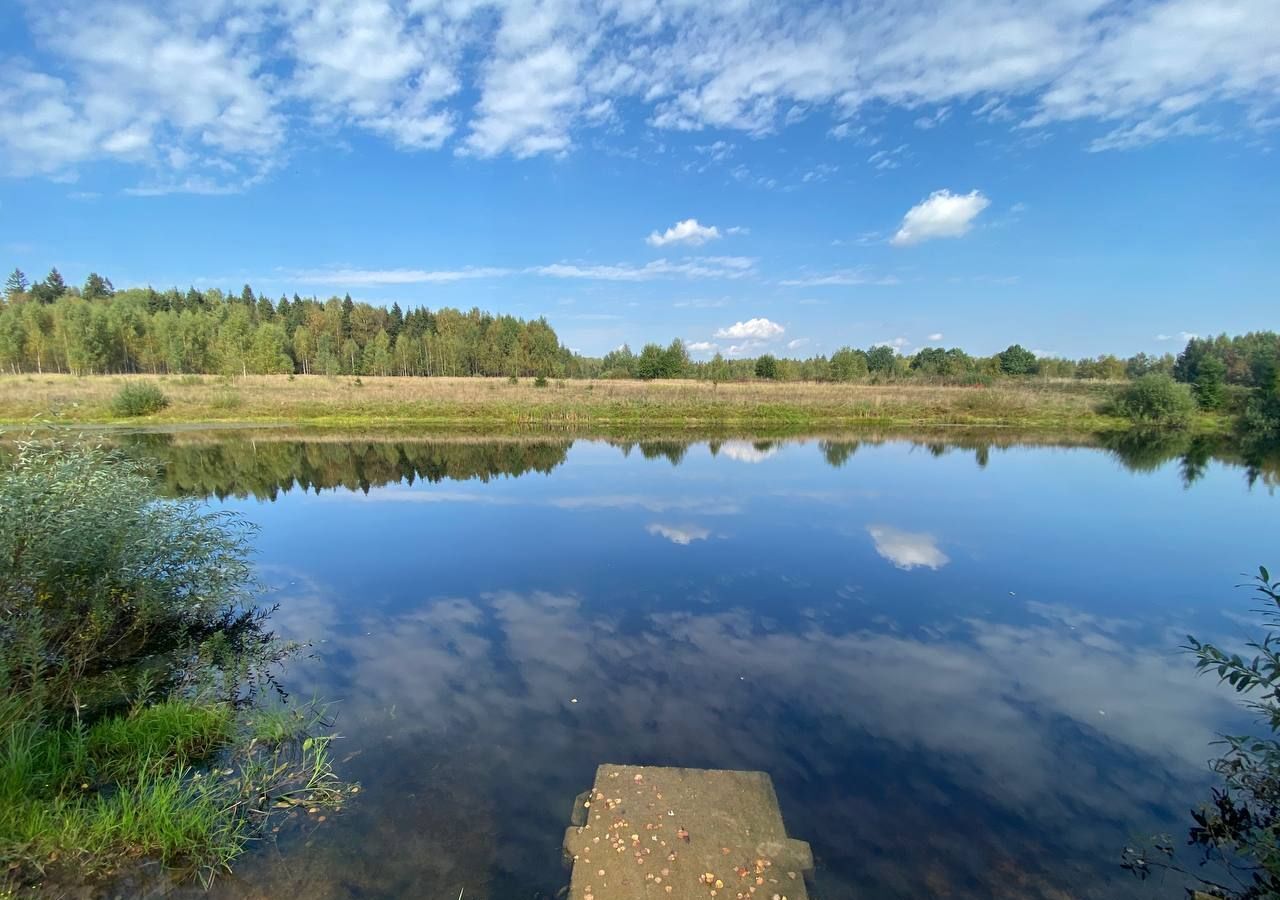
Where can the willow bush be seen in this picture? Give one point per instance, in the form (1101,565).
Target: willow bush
(132,655)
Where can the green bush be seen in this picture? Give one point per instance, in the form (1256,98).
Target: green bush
(766,367)
(1156,399)
(130,638)
(138,400)
(540,381)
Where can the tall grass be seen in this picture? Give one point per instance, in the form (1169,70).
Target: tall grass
(495,404)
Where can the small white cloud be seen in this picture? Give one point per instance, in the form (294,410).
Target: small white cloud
(685,232)
(942,215)
(747,452)
(684,535)
(1180,336)
(935,337)
(752,329)
(898,343)
(701,346)
(907,550)
(797,343)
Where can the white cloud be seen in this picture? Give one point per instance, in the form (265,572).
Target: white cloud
(898,344)
(797,343)
(942,215)
(935,337)
(907,549)
(528,102)
(701,346)
(397,276)
(841,277)
(706,267)
(684,535)
(753,329)
(236,82)
(747,452)
(687,231)
(730,267)
(1182,336)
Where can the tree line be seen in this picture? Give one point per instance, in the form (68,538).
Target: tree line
(49,326)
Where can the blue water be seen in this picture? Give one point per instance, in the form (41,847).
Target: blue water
(960,668)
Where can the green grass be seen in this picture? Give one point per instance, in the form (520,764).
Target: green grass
(496,406)
(92,798)
(183,782)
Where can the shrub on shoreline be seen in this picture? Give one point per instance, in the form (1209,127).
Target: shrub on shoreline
(138,400)
(132,656)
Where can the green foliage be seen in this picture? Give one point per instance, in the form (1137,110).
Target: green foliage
(1156,399)
(138,400)
(540,381)
(15,284)
(766,367)
(1017,360)
(1210,382)
(848,364)
(881,359)
(1239,828)
(129,644)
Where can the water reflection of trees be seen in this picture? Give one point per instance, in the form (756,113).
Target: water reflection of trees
(1147,451)
(265,465)
(241,466)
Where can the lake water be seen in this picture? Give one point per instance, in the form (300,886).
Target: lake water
(957,660)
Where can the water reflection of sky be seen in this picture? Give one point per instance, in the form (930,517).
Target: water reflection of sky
(963,680)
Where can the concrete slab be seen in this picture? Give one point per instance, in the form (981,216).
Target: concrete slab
(679,834)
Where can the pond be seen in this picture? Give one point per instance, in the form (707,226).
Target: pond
(957,658)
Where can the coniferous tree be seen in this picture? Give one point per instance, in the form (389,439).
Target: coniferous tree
(96,287)
(51,288)
(395,321)
(347,307)
(16,284)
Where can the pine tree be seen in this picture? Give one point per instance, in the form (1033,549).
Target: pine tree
(96,287)
(50,289)
(395,321)
(347,307)
(17,284)
(246,296)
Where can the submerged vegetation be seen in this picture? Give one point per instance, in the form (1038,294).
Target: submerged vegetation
(132,658)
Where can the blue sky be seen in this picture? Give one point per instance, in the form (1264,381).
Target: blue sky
(1076,175)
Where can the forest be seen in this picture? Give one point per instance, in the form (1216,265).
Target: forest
(50,326)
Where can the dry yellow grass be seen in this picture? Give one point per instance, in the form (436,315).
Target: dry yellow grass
(494,404)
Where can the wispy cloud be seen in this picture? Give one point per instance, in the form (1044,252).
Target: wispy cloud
(842,278)
(704,267)
(236,85)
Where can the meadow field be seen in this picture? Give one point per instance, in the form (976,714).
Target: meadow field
(495,404)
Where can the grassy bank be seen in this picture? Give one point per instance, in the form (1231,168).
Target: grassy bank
(488,404)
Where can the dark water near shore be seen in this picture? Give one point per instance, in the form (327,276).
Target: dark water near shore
(958,661)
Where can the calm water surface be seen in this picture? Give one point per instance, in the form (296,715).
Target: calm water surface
(959,664)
